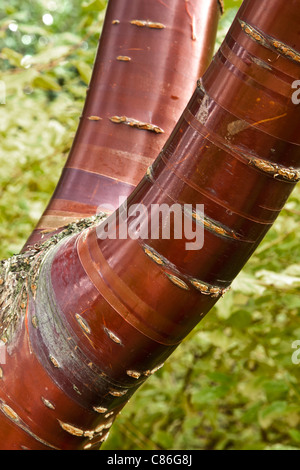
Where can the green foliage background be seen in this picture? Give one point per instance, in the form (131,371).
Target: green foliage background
(232,383)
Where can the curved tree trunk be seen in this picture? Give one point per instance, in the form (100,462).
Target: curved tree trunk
(235,150)
(149,58)
(103,314)
(145,71)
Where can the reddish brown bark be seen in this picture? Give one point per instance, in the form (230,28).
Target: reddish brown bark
(61,398)
(107,313)
(235,150)
(149,58)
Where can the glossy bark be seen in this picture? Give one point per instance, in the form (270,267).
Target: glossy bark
(56,389)
(111,311)
(149,58)
(236,150)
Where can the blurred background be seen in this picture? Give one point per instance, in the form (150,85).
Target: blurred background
(232,384)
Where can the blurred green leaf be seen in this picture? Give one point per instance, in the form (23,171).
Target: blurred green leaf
(85,71)
(50,54)
(46,82)
(295,435)
(269,413)
(12,56)
(94,5)
(276,390)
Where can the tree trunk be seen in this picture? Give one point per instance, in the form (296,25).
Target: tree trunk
(61,397)
(149,58)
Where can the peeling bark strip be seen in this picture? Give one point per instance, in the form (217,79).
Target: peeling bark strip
(218,228)
(89,433)
(156,257)
(254,33)
(147,24)
(214,227)
(100,409)
(112,336)
(134,374)
(95,118)
(74,431)
(9,412)
(124,58)
(207,289)
(118,393)
(54,361)
(83,324)
(48,403)
(177,281)
(270,42)
(137,124)
(192,18)
(276,171)
(202,287)
(13,416)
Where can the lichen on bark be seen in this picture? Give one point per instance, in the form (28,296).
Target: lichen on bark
(19,276)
